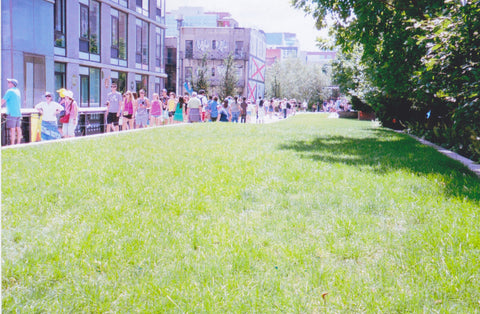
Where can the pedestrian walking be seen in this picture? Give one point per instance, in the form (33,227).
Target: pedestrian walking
(203,103)
(12,100)
(114,105)
(141,113)
(156,111)
(213,109)
(179,111)
(194,107)
(235,109)
(224,111)
(172,105)
(127,109)
(243,110)
(261,112)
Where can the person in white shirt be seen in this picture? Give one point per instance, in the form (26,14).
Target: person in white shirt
(49,110)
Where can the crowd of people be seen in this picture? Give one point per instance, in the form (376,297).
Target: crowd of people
(129,111)
(132,111)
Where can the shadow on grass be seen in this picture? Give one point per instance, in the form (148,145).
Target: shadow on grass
(384,152)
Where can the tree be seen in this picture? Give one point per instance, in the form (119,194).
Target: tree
(450,77)
(293,79)
(421,59)
(228,77)
(201,78)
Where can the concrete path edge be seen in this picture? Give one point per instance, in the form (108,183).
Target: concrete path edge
(474,167)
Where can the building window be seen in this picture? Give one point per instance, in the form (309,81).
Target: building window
(214,44)
(158,14)
(35,78)
(121,2)
(121,79)
(158,47)
(60,75)
(89,87)
(141,82)
(239,49)
(59,26)
(158,85)
(142,7)
(118,51)
(141,52)
(188,74)
(171,56)
(89,30)
(188,49)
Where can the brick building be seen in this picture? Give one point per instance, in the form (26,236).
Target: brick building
(247,46)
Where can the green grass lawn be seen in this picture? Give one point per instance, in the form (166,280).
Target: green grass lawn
(240,218)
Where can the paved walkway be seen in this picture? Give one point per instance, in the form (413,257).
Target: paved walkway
(475,168)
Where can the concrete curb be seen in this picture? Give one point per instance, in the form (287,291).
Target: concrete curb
(474,167)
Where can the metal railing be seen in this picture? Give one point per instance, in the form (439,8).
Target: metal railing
(90,121)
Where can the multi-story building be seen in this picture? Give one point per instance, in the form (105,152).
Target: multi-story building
(281,46)
(197,17)
(318,57)
(83,46)
(246,45)
(188,17)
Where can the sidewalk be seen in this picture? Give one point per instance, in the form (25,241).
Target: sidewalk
(475,168)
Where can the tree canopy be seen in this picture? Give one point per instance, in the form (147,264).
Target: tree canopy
(416,63)
(293,79)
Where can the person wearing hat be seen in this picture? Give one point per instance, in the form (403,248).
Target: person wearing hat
(71,110)
(49,110)
(61,101)
(12,100)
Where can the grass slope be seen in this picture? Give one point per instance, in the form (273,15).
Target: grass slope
(240,218)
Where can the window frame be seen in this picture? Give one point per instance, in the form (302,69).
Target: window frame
(142,7)
(89,42)
(118,54)
(142,44)
(188,49)
(60,27)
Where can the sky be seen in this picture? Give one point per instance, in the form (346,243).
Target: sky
(271,16)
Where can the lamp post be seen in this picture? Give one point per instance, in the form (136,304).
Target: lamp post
(177,75)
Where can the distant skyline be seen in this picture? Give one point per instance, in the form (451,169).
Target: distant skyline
(271,16)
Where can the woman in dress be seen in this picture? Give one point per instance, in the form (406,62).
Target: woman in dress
(179,111)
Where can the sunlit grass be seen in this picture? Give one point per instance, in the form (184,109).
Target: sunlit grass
(240,218)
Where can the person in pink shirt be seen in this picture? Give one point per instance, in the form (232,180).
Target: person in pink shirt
(128,109)
(156,111)
(71,109)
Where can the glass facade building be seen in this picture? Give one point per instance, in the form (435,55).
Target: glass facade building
(83,46)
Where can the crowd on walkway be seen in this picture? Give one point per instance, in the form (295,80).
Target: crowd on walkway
(130,110)
(133,111)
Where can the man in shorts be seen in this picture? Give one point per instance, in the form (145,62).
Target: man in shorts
(12,100)
(114,106)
